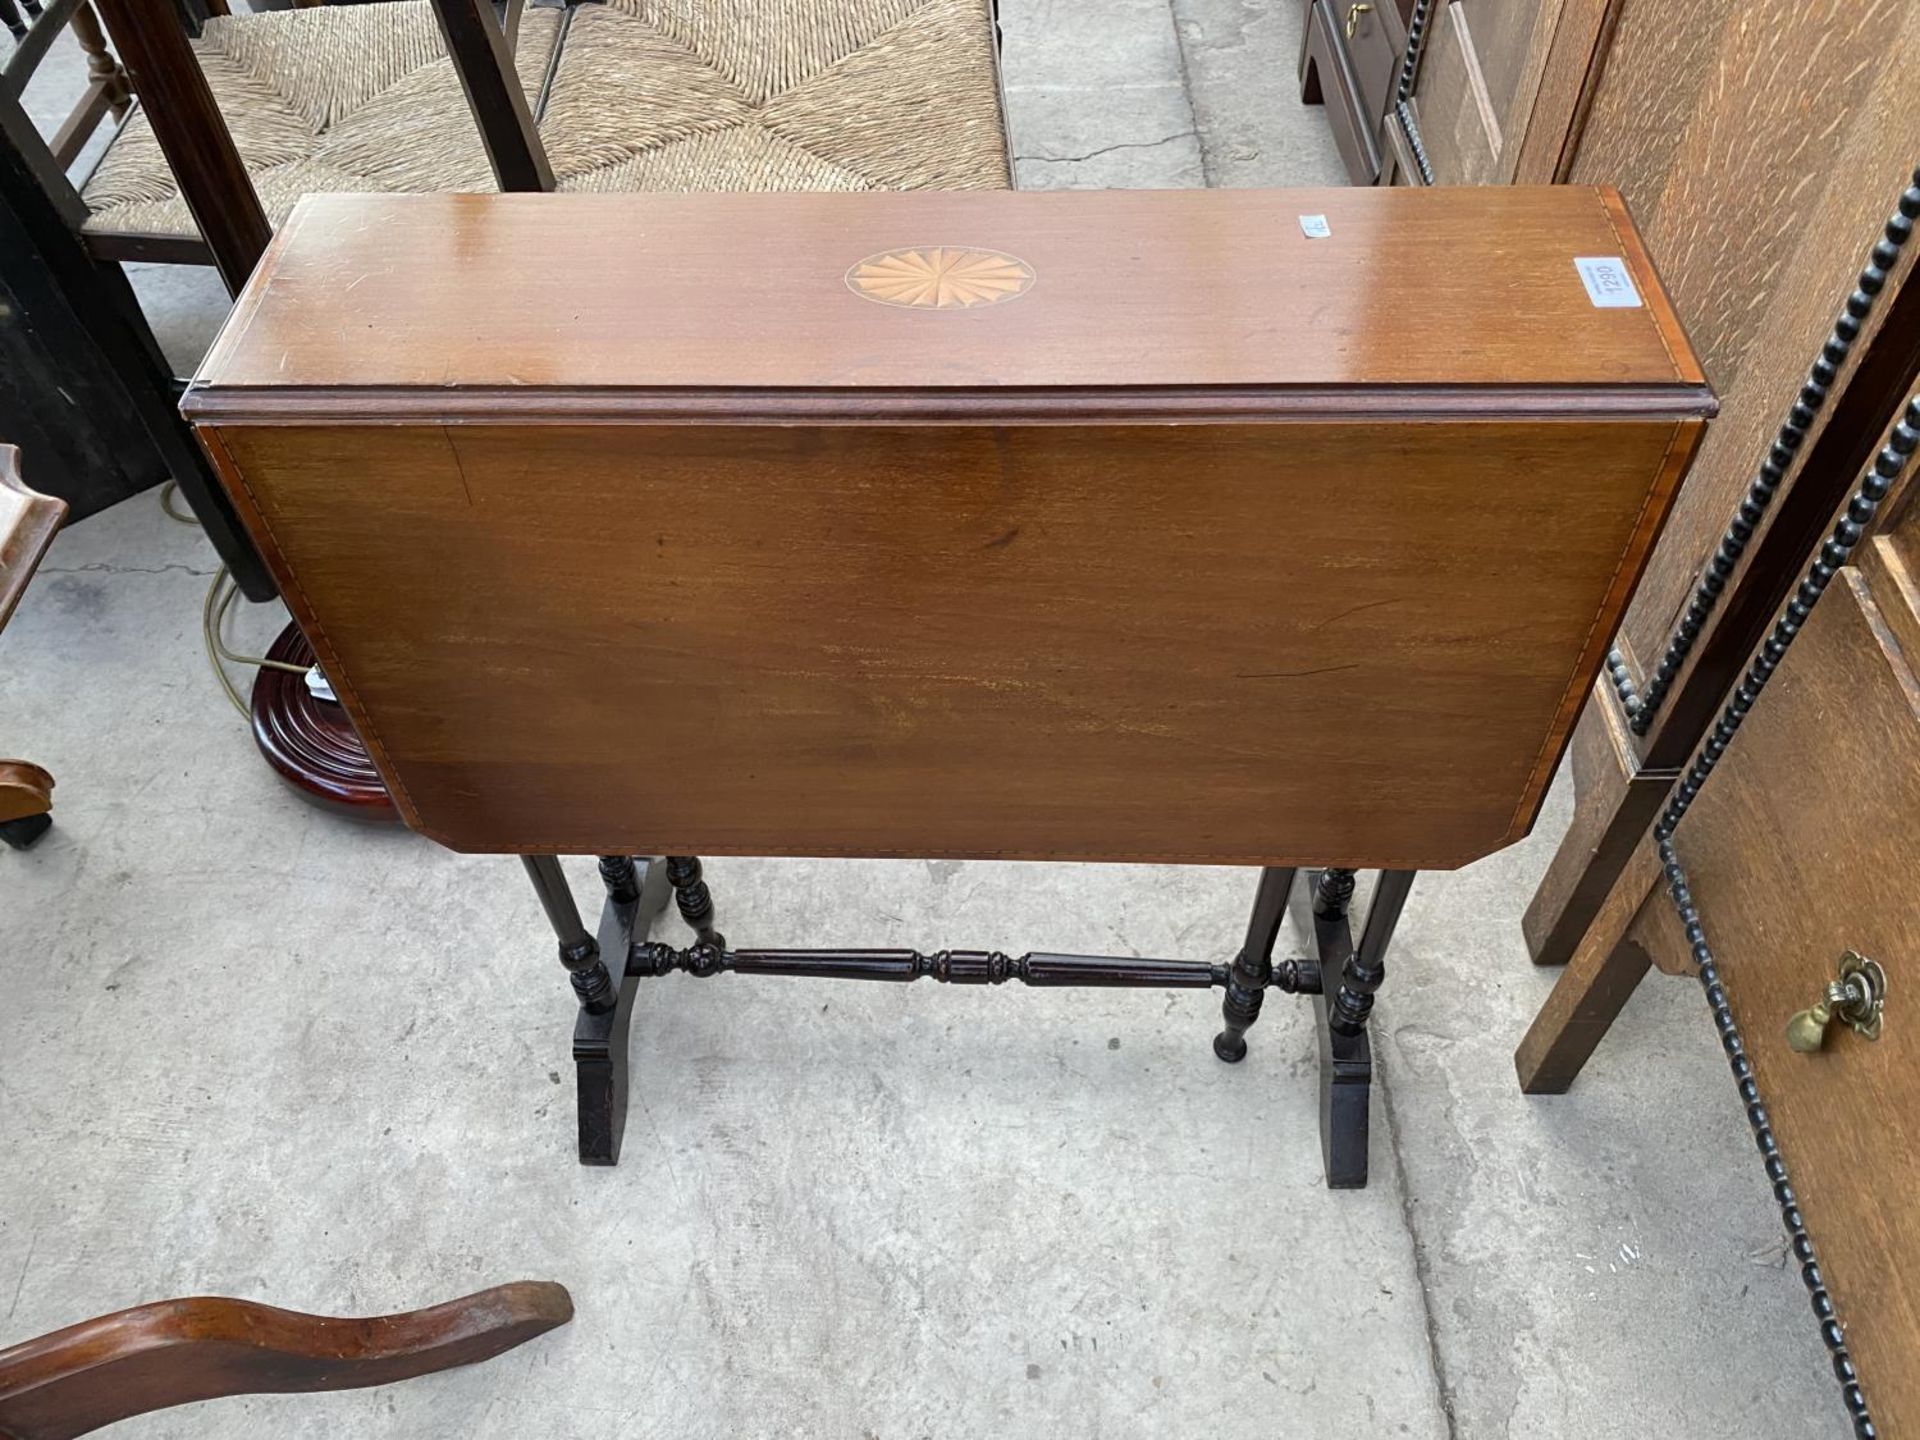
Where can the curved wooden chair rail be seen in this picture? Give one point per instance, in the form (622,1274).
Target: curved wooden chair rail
(28,522)
(177,1351)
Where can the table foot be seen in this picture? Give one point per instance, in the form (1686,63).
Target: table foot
(1342,1012)
(636,898)
(1346,1094)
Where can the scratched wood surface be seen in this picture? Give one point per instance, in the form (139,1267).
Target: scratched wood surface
(1343,610)
(1131,288)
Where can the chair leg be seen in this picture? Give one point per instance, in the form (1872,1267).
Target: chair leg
(107,91)
(1253,966)
(1586,1000)
(103,68)
(178,1351)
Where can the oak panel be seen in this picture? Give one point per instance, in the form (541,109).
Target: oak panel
(1725,171)
(1758,215)
(1801,848)
(1459,120)
(1480,85)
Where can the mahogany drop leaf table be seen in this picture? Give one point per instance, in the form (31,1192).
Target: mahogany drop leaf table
(1196,527)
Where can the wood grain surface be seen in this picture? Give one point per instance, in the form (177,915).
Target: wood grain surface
(1759,219)
(1459,116)
(1500,85)
(1725,174)
(1572,55)
(688,548)
(175,1352)
(1157,290)
(1248,644)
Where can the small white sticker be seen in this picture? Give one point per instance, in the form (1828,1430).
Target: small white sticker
(1315,227)
(1609,285)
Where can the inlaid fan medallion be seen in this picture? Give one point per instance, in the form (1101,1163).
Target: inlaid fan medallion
(940,277)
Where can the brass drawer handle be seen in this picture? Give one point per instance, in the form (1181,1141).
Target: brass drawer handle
(1354,12)
(1857,997)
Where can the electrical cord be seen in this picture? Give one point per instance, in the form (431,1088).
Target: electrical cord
(213,617)
(167,493)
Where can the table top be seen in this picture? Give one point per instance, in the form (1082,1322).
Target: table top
(1452,298)
(1100,526)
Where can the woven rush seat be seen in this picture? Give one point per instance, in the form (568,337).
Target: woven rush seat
(642,95)
(333,98)
(777,95)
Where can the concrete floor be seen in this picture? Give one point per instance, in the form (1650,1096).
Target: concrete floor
(246,1049)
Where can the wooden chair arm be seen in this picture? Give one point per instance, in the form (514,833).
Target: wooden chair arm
(28,522)
(178,1351)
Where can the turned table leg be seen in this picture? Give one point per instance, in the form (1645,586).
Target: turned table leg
(1366,965)
(1253,967)
(1332,894)
(695,902)
(579,952)
(1342,978)
(622,879)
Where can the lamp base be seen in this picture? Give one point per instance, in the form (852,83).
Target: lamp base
(310,742)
